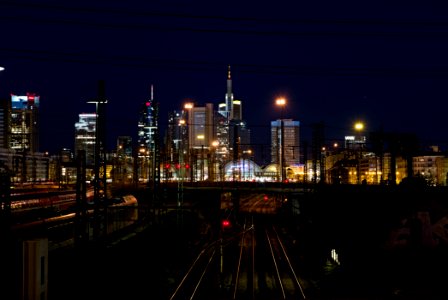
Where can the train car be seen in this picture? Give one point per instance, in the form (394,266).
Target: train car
(122,212)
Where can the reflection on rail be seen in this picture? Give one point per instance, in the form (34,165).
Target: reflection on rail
(122,212)
(55,200)
(248,262)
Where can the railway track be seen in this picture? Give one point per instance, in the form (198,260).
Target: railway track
(250,263)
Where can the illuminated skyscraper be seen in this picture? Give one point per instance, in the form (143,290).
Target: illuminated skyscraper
(5,116)
(231,108)
(291,143)
(24,123)
(85,130)
(232,134)
(200,120)
(147,124)
(148,140)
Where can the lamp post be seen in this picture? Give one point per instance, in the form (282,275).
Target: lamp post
(215,162)
(281,102)
(188,107)
(247,171)
(359,127)
(201,138)
(180,178)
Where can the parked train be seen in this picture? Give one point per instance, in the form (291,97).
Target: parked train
(121,213)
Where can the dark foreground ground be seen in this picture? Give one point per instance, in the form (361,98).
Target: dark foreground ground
(141,266)
(149,265)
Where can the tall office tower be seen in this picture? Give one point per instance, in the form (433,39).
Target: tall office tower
(222,137)
(25,123)
(200,123)
(176,136)
(148,141)
(85,130)
(222,110)
(237,110)
(5,117)
(229,95)
(291,144)
(147,125)
(231,108)
(200,140)
(233,135)
(239,135)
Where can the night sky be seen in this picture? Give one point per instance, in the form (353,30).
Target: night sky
(335,62)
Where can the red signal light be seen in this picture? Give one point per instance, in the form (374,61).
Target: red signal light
(167,166)
(225,223)
(187,166)
(265,198)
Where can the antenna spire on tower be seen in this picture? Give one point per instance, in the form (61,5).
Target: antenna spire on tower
(152,92)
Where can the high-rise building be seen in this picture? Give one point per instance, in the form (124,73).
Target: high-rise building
(231,131)
(200,124)
(24,123)
(148,141)
(5,117)
(200,140)
(176,136)
(239,135)
(19,139)
(147,125)
(291,145)
(85,130)
(237,110)
(229,96)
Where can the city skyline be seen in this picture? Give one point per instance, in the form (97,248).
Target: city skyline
(385,65)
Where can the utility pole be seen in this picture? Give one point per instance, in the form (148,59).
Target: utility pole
(82,231)
(317,143)
(155,149)
(100,191)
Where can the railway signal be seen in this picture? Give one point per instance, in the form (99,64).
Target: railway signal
(225,224)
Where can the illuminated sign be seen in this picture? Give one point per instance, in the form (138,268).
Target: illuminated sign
(24,102)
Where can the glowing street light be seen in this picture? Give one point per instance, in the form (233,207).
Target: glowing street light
(188,106)
(281,102)
(359,127)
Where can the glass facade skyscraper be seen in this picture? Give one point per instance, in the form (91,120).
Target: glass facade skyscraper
(85,130)
(24,123)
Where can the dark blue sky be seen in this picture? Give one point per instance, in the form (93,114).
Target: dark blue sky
(336,62)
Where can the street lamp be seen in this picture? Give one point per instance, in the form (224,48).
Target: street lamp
(201,137)
(359,127)
(247,158)
(281,102)
(188,107)
(215,162)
